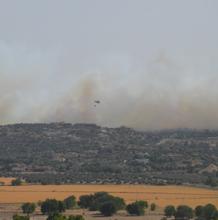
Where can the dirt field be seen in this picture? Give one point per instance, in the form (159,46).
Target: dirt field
(161,195)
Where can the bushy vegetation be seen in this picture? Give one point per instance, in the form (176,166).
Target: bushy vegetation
(70,202)
(212,181)
(95,201)
(59,216)
(137,208)
(184,212)
(108,209)
(52,206)
(85,201)
(28,208)
(170,211)
(207,212)
(16,182)
(108,205)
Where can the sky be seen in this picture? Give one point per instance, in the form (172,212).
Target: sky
(151,63)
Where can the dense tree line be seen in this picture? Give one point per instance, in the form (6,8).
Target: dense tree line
(207,212)
(108,205)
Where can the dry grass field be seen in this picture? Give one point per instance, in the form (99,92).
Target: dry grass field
(6,180)
(161,195)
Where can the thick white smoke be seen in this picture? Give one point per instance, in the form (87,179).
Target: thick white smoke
(165,92)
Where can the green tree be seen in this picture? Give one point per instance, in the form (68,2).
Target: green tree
(135,208)
(183,212)
(52,206)
(70,202)
(169,211)
(216,215)
(28,208)
(209,211)
(199,210)
(93,202)
(108,209)
(98,199)
(85,201)
(118,202)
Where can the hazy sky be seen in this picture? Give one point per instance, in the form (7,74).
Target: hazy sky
(152,63)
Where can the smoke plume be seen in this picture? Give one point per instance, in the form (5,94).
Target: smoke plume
(164,92)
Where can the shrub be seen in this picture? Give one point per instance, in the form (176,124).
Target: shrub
(135,208)
(108,209)
(169,211)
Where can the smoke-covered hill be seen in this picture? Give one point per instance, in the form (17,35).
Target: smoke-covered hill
(87,153)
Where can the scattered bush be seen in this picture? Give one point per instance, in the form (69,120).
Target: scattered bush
(58,216)
(28,208)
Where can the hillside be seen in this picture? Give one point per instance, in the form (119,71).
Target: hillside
(87,153)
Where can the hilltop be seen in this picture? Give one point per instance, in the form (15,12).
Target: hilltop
(87,153)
